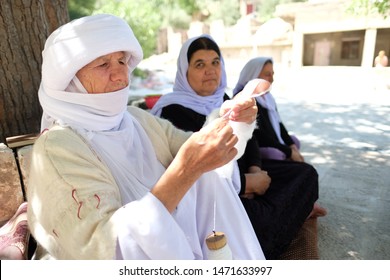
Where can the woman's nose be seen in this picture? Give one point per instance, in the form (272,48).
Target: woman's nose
(210,70)
(119,73)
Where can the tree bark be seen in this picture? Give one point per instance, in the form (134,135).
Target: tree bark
(24,27)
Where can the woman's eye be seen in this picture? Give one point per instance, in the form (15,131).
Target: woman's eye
(103,64)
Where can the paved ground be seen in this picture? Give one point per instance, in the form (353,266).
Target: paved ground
(345,132)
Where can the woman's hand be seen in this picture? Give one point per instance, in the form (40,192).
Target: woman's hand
(211,147)
(257,182)
(295,154)
(242,110)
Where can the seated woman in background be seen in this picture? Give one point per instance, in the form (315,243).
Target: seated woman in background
(277,195)
(272,136)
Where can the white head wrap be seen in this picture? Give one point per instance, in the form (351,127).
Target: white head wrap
(251,71)
(67,50)
(184,95)
(102,119)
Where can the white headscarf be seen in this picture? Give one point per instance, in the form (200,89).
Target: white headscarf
(184,95)
(67,50)
(102,119)
(251,71)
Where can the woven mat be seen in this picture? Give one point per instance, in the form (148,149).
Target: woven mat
(305,245)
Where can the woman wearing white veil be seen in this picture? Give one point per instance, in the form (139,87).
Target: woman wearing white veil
(107,181)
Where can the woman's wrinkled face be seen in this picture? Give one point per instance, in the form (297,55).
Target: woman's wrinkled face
(267,73)
(107,73)
(204,72)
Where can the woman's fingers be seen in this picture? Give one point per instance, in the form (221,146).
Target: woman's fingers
(241,110)
(211,147)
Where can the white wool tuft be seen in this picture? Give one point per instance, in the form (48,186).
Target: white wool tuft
(243,131)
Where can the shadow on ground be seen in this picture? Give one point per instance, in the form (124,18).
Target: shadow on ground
(350,147)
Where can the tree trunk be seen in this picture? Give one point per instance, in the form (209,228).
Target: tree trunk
(24,27)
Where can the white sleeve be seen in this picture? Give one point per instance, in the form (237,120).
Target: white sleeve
(146,230)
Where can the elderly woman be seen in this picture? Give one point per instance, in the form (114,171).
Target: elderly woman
(277,195)
(108,181)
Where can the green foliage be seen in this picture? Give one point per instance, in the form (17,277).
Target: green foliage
(142,16)
(179,13)
(174,15)
(137,72)
(189,6)
(227,10)
(383,7)
(266,8)
(147,17)
(369,7)
(80,8)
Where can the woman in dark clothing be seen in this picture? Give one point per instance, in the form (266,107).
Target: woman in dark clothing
(273,138)
(277,195)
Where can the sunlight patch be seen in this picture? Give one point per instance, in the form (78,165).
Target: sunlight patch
(367,129)
(357,145)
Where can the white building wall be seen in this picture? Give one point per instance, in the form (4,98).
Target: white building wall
(369,47)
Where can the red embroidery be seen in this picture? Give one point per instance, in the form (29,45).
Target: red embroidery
(98,198)
(78,210)
(79,203)
(73,195)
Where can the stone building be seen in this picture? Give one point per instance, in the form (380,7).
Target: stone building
(326,33)
(313,33)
